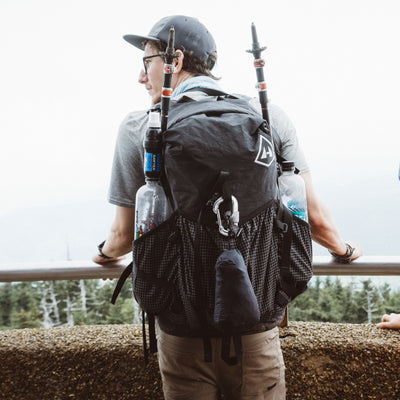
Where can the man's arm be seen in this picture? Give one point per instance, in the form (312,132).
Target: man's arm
(119,241)
(323,228)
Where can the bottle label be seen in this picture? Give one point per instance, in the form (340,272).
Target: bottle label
(143,227)
(152,162)
(298,210)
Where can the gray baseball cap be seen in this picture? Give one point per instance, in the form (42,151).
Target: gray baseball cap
(190,35)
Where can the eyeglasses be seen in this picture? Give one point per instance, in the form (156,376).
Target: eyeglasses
(145,63)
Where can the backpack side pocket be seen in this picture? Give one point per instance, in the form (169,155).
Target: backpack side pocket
(295,258)
(156,256)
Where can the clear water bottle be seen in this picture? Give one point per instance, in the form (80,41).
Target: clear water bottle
(293,191)
(152,205)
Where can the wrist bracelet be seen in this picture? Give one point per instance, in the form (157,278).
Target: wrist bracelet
(346,257)
(101,254)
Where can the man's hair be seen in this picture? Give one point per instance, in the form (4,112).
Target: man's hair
(191,63)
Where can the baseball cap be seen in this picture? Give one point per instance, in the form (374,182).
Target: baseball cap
(190,35)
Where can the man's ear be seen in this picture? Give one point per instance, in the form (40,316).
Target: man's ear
(178,61)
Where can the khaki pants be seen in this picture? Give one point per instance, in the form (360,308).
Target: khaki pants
(260,374)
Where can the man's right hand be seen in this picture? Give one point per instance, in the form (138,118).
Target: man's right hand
(98,259)
(357,251)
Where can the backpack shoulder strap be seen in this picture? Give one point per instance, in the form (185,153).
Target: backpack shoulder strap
(122,279)
(208,91)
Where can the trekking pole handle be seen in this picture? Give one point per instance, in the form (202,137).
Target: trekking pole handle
(259,66)
(166,91)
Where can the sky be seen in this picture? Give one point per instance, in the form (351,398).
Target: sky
(67,79)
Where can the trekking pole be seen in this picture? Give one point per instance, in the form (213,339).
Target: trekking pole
(166,92)
(259,66)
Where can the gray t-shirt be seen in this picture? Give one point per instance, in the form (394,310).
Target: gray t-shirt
(127,171)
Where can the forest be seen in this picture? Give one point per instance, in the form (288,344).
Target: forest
(87,302)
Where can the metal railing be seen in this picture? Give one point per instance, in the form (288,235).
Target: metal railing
(69,270)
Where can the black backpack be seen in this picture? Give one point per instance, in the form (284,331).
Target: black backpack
(231,256)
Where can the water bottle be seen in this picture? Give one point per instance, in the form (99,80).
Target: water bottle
(152,205)
(153,147)
(293,191)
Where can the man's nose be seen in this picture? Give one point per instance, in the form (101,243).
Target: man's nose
(142,77)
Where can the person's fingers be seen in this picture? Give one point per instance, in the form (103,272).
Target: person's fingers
(385,318)
(101,260)
(382,325)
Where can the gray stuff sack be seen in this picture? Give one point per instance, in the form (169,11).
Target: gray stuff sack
(236,305)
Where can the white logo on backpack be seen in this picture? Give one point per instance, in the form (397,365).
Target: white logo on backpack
(266,153)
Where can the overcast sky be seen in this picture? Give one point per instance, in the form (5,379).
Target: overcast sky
(67,79)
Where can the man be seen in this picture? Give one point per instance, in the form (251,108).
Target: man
(185,374)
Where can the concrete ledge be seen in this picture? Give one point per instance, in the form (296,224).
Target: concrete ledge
(323,361)
(341,361)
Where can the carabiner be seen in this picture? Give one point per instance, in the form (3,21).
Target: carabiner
(233,217)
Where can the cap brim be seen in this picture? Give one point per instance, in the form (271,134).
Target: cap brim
(139,41)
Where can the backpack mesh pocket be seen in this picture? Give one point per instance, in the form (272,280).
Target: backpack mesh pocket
(156,258)
(301,253)
(296,274)
(258,243)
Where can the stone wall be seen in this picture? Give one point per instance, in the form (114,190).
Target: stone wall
(323,361)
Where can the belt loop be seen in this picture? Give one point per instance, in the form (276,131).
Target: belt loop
(237,342)
(225,351)
(207,349)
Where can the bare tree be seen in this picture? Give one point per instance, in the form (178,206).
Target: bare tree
(370,306)
(44,306)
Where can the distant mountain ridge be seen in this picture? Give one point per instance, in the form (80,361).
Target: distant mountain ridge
(54,232)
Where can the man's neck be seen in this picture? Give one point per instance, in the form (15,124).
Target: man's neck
(195,82)
(181,77)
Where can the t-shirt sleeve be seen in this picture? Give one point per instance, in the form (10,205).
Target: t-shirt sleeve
(290,147)
(127,170)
